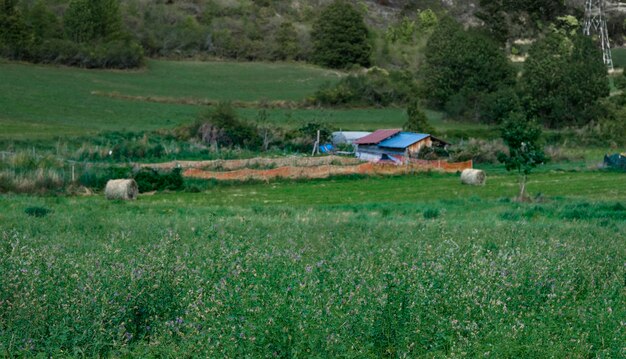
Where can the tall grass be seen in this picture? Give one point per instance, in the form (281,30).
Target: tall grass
(171,278)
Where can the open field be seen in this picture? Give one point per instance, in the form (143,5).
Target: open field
(381,267)
(352,267)
(47,101)
(43,102)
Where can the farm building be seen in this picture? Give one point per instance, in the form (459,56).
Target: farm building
(394,145)
(347,137)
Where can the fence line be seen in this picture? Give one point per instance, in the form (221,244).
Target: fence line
(230,165)
(325,171)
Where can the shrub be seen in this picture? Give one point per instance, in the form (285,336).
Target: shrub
(373,88)
(222,126)
(431,213)
(149,179)
(479,151)
(37,211)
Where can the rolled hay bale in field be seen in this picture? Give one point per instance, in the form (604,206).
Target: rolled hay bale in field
(473,177)
(125,189)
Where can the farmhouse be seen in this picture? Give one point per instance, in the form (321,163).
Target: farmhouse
(394,145)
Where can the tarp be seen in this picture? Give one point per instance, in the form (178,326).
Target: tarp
(615,161)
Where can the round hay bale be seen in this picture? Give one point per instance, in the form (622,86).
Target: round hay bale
(473,177)
(125,189)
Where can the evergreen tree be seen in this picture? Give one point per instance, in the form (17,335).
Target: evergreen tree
(43,22)
(286,41)
(340,37)
(89,20)
(461,67)
(416,119)
(14,34)
(564,80)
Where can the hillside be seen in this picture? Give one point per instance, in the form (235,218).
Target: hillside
(271,30)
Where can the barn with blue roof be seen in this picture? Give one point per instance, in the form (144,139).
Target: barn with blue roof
(395,146)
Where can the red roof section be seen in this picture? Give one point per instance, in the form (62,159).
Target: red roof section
(377,137)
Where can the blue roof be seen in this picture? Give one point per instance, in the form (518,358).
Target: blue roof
(403,140)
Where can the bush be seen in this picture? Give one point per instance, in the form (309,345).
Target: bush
(222,126)
(431,213)
(37,211)
(373,88)
(149,179)
(477,150)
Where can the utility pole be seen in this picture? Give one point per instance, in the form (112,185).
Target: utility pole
(595,24)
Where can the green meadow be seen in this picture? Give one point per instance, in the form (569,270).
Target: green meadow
(352,267)
(414,266)
(45,102)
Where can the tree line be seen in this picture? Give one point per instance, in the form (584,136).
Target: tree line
(89,34)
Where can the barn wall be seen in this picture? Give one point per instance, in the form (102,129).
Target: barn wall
(416,147)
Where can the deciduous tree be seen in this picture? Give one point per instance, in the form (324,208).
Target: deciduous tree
(521,135)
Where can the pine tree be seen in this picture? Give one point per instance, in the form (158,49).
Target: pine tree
(564,80)
(14,34)
(89,20)
(416,119)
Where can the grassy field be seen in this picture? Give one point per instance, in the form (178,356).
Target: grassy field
(46,101)
(43,102)
(352,267)
(415,266)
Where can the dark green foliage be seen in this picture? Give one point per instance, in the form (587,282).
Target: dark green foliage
(286,42)
(416,119)
(375,88)
(152,180)
(340,37)
(14,35)
(521,135)
(37,211)
(522,138)
(222,126)
(93,36)
(431,213)
(563,81)
(44,24)
(309,131)
(497,106)
(506,19)
(91,20)
(461,67)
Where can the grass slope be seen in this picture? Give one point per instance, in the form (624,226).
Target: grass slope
(43,102)
(46,101)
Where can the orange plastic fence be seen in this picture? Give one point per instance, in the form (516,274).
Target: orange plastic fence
(229,165)
(327,171)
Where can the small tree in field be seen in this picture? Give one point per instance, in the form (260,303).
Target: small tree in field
(416,119)
(521,136)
